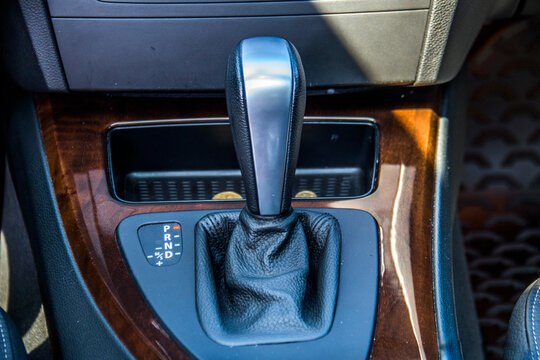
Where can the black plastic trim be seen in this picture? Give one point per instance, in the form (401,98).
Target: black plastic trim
(220,121)
(457,325)
(29,48)
(170,290)
(77,328)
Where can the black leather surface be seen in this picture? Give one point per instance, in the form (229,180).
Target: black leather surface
(266,280)
(523,337)
(237,109)
(11,344)
(297,110)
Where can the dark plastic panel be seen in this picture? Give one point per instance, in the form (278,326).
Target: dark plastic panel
(29,50)
(191,54)
(170,291)
(458,329)
(213,8)
(183,162)
(77,328)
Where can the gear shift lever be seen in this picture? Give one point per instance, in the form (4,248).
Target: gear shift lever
(269,274)
(266,95)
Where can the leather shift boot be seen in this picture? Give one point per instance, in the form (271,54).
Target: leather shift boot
(267,280)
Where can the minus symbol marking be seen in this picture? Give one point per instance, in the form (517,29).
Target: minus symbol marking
(150,256)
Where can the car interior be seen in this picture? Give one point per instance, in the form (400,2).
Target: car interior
(270,179)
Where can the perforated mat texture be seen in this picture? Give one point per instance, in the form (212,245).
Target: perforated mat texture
(499,202)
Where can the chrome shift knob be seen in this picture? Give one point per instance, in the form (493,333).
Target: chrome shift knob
(266,95)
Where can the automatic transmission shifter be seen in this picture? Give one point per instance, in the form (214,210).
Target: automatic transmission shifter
(266,96)
(271,274)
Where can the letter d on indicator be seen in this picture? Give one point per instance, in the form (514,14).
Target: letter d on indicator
(168,254)
(166,228)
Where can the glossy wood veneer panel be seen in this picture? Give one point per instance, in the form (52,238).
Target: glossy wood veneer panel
(74,129)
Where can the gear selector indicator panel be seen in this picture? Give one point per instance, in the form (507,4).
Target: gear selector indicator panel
(161,243)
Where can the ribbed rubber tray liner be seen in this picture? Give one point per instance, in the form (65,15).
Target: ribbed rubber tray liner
(204,185)
(499,204)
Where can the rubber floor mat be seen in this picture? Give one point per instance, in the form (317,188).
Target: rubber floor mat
(499,202)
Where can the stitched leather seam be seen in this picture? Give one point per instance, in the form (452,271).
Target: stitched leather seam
(3,340)
(291,115)
(533,321)
(251,161)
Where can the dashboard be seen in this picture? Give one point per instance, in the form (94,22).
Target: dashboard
(173,45)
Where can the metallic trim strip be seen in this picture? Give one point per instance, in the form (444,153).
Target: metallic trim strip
(268,84)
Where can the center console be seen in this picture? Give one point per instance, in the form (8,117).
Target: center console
(108,250)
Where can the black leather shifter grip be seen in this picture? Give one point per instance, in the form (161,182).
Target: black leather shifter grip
(266,94)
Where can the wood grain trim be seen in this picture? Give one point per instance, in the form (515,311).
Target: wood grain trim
(74,129)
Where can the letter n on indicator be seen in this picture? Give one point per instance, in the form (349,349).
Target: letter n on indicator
(168,245)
